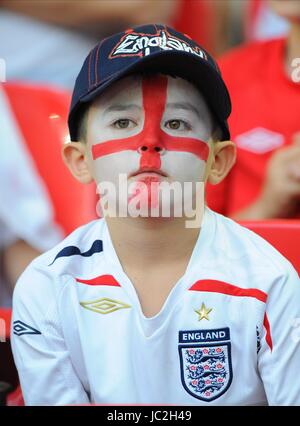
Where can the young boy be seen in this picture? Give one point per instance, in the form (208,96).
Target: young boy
(147,309)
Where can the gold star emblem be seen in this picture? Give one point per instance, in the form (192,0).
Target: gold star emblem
(203,312)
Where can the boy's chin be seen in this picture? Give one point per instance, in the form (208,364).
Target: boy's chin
(151,208)
(153,200)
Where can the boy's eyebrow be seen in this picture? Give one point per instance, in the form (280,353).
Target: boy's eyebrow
(121,107)
(175,105)
(183,105)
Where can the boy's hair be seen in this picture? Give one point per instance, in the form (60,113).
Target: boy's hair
(82,124)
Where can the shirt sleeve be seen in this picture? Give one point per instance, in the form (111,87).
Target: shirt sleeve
(279,355)
(46,373)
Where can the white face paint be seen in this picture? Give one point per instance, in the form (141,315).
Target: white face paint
(122,101)
(157,123)
(187,105)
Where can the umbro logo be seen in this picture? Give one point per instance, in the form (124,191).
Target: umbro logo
(20,328)
(104,305)
(259,140)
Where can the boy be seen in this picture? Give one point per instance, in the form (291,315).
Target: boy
(144,309)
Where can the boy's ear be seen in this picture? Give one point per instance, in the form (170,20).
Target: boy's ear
(223,158)
(74,156)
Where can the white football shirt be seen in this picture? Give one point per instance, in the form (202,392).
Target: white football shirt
(226,334)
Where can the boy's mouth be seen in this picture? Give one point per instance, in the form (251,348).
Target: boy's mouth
(148,171)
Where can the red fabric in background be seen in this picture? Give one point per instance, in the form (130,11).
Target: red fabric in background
(252,12)
(73,203)
(196,19)
(5,314)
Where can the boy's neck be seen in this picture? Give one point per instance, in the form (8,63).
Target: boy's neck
(292,47)
(145,242)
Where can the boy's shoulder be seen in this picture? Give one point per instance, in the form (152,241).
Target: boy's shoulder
(73,256)
(81,242)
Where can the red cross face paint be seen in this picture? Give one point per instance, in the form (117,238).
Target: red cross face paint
(152,129)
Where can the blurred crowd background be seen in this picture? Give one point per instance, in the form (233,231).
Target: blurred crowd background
(42,47)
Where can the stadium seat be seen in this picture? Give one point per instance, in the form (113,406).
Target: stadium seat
(284,235)
(15,398)
(9,381)
(10,390)
(5,316)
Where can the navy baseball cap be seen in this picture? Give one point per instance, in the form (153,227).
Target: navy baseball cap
(150,48)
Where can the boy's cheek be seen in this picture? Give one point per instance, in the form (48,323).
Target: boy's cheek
(183,167)
(110,168)
(179,166)
(91,164)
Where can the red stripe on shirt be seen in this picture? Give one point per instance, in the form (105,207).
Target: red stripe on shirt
(215,286)
(101,280)
(268,332)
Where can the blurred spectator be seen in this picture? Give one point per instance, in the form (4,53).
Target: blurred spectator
(35,214)
(262,22)
(46,41)
(206,21)
(263,81)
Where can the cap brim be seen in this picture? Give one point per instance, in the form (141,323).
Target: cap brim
(182,64)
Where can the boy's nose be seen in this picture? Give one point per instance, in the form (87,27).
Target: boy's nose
(151,148)
(150,154)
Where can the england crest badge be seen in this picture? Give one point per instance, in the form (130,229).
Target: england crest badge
(205,362)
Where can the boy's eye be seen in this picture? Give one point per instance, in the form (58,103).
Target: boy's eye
(123,123)
(177,125)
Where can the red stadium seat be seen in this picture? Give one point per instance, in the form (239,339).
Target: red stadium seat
(284,235)
(15,398)
(5,316)
(8,372)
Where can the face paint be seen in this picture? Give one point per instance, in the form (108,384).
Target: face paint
(173,153)
(146,190)
(152,140)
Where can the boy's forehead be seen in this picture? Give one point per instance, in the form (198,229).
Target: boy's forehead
(129,92)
